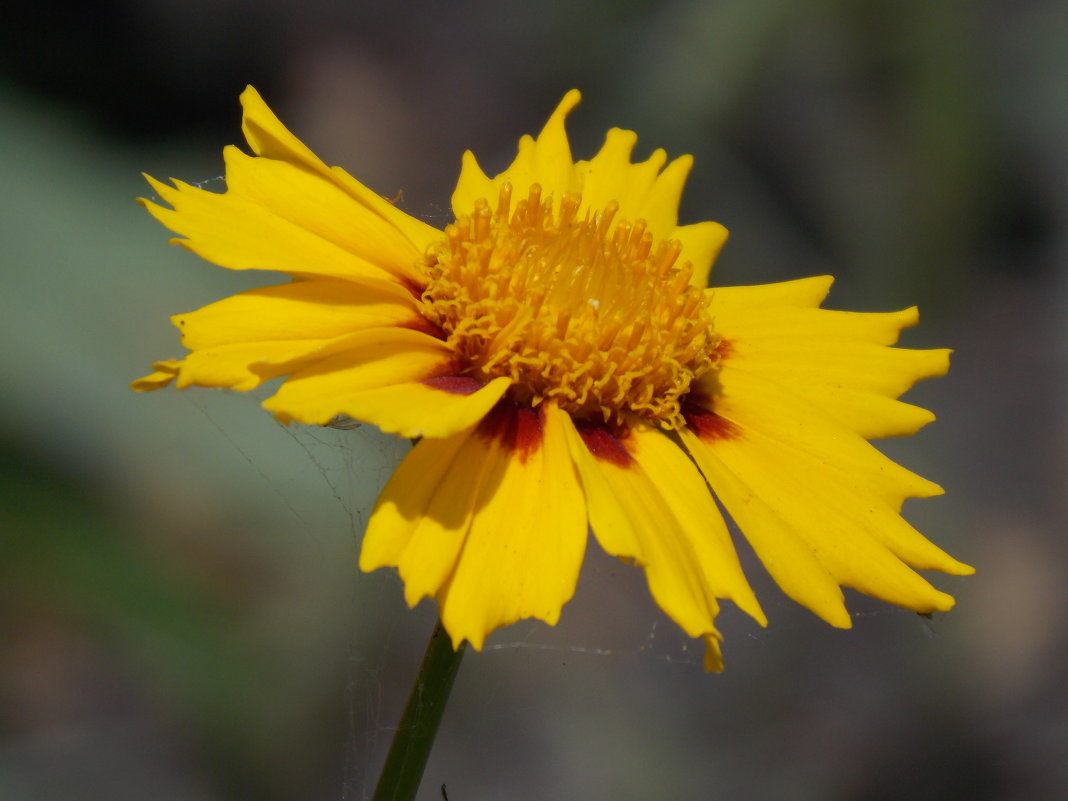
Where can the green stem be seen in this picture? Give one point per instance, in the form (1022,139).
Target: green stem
(419,724)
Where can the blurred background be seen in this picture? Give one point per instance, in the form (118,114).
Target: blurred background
(181,618)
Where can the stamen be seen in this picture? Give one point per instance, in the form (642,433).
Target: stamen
(587,310)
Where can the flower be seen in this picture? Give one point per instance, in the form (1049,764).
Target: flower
(564,368)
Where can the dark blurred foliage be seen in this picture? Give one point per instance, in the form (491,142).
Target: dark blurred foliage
(128,66)
(180,614)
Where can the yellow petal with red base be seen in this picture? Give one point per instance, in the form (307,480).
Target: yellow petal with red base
(523,551)
(746,399)
(391,378)
(818,504)
(838,361)
(649,503)
(800,347)
(460,521)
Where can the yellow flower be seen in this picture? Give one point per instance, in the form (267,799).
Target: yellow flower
(564,368)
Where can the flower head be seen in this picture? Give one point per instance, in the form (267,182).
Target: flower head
(558,356)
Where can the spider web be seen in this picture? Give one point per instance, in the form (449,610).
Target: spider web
(346,468)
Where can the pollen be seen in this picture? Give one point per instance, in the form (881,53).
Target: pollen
(588,311)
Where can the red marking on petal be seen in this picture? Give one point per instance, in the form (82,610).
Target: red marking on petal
(517,428)
(724,349)
(424,326)
(603,444)
(704,422)
(454,384)
(416,289)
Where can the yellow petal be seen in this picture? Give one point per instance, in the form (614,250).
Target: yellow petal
(793,565)
(473,184)
(297,310)
(243,366)
(165,372)
(701,244)
(649,191)
(887,371)
(641,190)
(713,654)
(604,178)
(241,234)
(400,380)
(869,414)
(660,206)
(268,137)
(434,407)
(791,324)
(545,160)
(242,341)
(301,310)
(422,516)
(648,502)
(321,207)
(805,292)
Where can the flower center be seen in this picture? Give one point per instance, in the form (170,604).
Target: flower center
(579,311)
